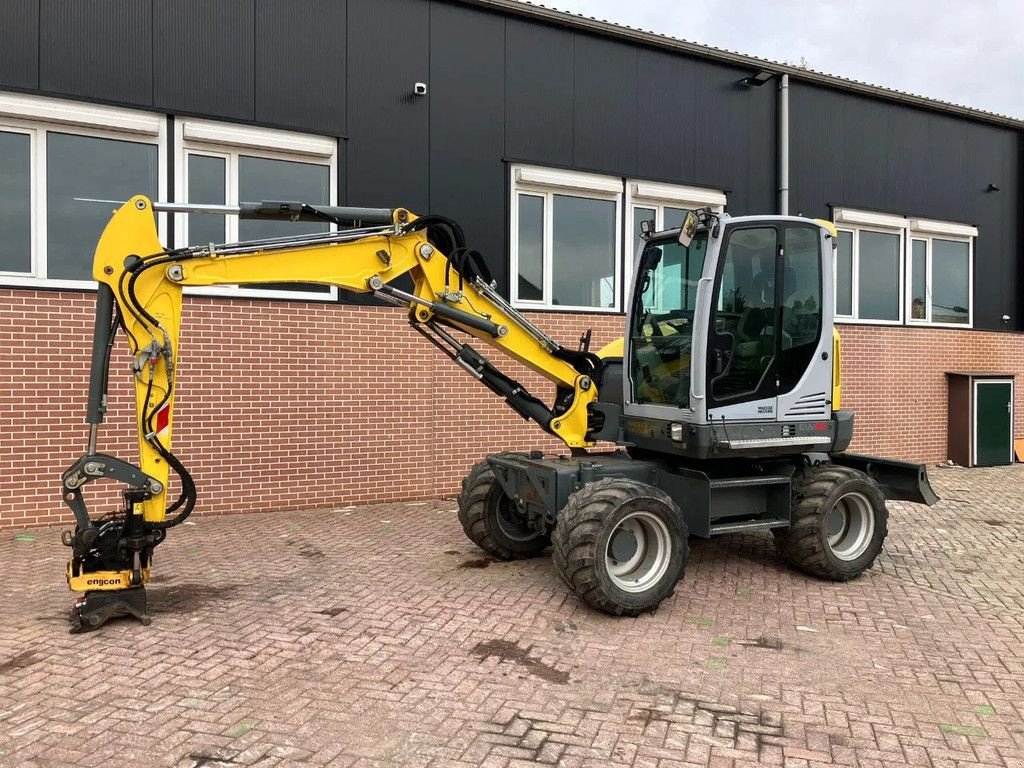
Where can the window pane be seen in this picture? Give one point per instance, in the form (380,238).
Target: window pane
(950,281)
(844,274)
(801,304)
(206,185)
(640,215)
(583,252)
(745,322)
(662,325)
(82,166)
(15,203)
(918,278)
(672,287)
(674,217)
(263,179)
(879,275)
(531,248)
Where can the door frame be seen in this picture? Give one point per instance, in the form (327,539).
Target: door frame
(756,397)
(974,416)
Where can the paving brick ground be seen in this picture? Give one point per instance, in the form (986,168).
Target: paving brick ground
(375,636)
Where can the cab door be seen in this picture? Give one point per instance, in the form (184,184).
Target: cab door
(766,320)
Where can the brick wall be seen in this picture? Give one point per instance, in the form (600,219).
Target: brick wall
(894,380)
(284,405)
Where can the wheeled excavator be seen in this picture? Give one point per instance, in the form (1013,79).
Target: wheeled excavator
(722,398)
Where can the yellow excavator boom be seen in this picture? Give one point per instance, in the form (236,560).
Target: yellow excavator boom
(140,292)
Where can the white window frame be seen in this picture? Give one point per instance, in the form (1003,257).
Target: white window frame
(36,116)
(928,231)
(659,196)
(227,141)
(908,229)
(855,318)
(546,183)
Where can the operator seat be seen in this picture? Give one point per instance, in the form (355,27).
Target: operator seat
(756,320)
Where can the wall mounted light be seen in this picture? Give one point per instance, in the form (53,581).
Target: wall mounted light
(992,188)
(759,79)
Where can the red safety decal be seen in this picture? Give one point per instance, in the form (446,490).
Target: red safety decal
(163,418)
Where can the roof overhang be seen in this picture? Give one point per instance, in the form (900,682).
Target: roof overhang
(652,39)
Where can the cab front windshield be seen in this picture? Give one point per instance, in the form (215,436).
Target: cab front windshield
(661,325)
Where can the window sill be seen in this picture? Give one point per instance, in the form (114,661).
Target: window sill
(567,309)
(858,321)
(46,284)
(924,324)
(910,324)
(43,284)
(256,293)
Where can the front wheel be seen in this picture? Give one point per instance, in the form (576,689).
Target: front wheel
(838,523)
(621,545)
(492,522)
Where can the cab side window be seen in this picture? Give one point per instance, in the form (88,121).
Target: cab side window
(800,303)
(745,314)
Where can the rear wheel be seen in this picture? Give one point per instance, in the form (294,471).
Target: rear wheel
(621,545)
(492,522)
(838,525)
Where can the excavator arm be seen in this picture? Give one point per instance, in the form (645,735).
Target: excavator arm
(140,290)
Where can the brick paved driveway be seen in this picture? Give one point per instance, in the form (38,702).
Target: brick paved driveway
(378,636)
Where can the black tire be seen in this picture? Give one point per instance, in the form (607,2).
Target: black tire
(581,544)
(490,520)
(818,493)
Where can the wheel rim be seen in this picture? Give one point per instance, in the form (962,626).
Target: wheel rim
(638,552)
(509,523)
(850,526)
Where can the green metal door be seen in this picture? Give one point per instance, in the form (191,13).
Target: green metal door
(993,429)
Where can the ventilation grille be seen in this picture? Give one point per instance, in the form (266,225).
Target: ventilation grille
(809,405)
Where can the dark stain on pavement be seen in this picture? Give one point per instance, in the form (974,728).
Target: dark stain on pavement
(306,549)
(645,716)
(508,651)
(209,760)
(311,552)
(184,598)
(19,661)
(768,643)
(332,612)
(483,562)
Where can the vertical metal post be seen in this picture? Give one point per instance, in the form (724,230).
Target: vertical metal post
(784,145)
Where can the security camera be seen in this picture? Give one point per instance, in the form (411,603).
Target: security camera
(420,89)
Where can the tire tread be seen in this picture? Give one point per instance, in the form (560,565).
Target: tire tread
(574,543)
(477,487)
(800,545)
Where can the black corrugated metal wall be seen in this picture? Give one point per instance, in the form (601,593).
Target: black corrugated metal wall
(505,89)
(853,151)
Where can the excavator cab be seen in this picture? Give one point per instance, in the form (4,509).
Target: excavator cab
(729,345)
